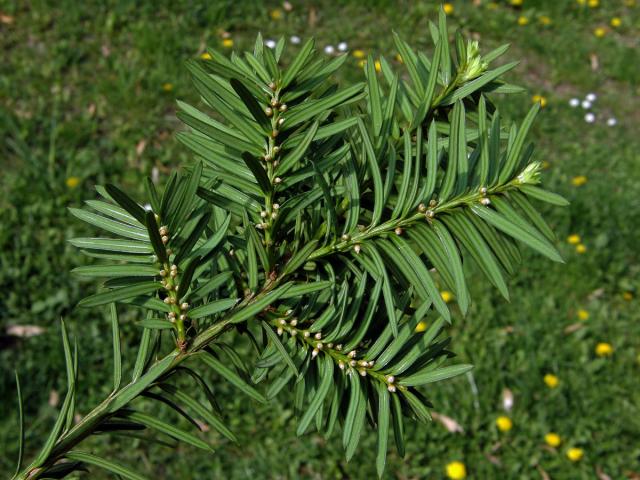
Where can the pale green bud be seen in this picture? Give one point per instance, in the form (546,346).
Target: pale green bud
(531,174)
(474,65)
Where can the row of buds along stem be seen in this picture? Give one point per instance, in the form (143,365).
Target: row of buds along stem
(348,362)
(274,110)
(170,281)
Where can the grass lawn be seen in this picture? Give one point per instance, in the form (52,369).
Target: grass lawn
(87,96)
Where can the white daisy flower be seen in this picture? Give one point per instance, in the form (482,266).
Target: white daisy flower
(586,104)
(270,43)
(591,97)
(342,46)
(295,39)
(589,118)
(612,122)
(329,49)
(574,102)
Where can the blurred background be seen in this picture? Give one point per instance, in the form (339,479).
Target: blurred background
(87,96)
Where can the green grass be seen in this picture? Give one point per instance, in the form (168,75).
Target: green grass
(81,90)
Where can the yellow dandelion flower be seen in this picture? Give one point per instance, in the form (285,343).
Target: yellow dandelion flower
(206,56)
(227,43)
(72,182)
(604,349)
(167,87)
(504,424)
(581,2)
(574,239)
(551,380)
(579,180)
(358,53)
(575,454)
(544,20)
(378,66)
(600,32)
(421,327)
(275,14)
(446,296)
(522,20)
(362,63)
(581,248)
(448,8)
(552,439)
(594,3)
(616,22)
(583,314)
(628,296)
(456,470)
(516,3)
(539,99)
